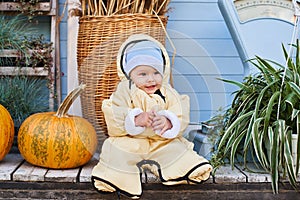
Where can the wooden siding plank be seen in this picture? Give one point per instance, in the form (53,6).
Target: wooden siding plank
(65,175)
(201,66)
(219,47)
(28,172)
(8,165)
(194,11)
(189,46)
(197,84)
(199,111)
(207,94)
(230,65)
(204,84)
(200,116)
(195,1)
(198,29)
(209,101)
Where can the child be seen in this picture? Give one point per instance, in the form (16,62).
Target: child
(146,118)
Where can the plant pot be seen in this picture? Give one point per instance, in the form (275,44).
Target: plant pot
(202,145)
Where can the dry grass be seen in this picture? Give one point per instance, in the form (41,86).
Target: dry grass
(116,7)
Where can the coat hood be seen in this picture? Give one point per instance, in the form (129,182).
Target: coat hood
(136,38)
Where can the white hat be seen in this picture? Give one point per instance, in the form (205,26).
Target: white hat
(143,53)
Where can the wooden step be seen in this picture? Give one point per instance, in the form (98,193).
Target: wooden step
(21,180)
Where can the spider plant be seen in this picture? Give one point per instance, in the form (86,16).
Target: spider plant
(264,114)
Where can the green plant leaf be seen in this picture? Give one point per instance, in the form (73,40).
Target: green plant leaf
(236,142)
(263,94)
(258,143)
(274,144)
(297,59)
(295,88)
(229,131)
(289,160)
(269,110)
(293,100)
(240,85)
(248,136)
(270,73)
(298,145)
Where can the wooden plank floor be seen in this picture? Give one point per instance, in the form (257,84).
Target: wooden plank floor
(21,180)
(14,168)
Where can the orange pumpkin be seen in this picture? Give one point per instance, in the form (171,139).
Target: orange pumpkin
(57,140)
(7,132)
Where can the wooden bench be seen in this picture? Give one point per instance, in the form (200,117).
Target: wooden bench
(15,168)
(19,179)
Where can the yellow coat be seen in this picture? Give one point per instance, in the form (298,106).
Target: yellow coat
(130,149)
(128,100)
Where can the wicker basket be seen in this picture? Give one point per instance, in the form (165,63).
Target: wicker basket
(99,39)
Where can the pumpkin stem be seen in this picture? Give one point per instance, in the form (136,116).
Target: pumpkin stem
(66,104)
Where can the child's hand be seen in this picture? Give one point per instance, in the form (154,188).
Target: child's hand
(161,123)
(144,119)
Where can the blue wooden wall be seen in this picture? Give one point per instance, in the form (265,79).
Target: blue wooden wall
(204,52)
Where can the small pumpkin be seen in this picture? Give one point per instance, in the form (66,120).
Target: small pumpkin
(7,132)
(57,140)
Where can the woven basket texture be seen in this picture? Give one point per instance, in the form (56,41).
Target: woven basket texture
(99,39)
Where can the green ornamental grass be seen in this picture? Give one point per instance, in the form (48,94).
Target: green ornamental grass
(23,96)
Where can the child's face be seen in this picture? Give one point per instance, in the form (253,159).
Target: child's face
(146,78)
